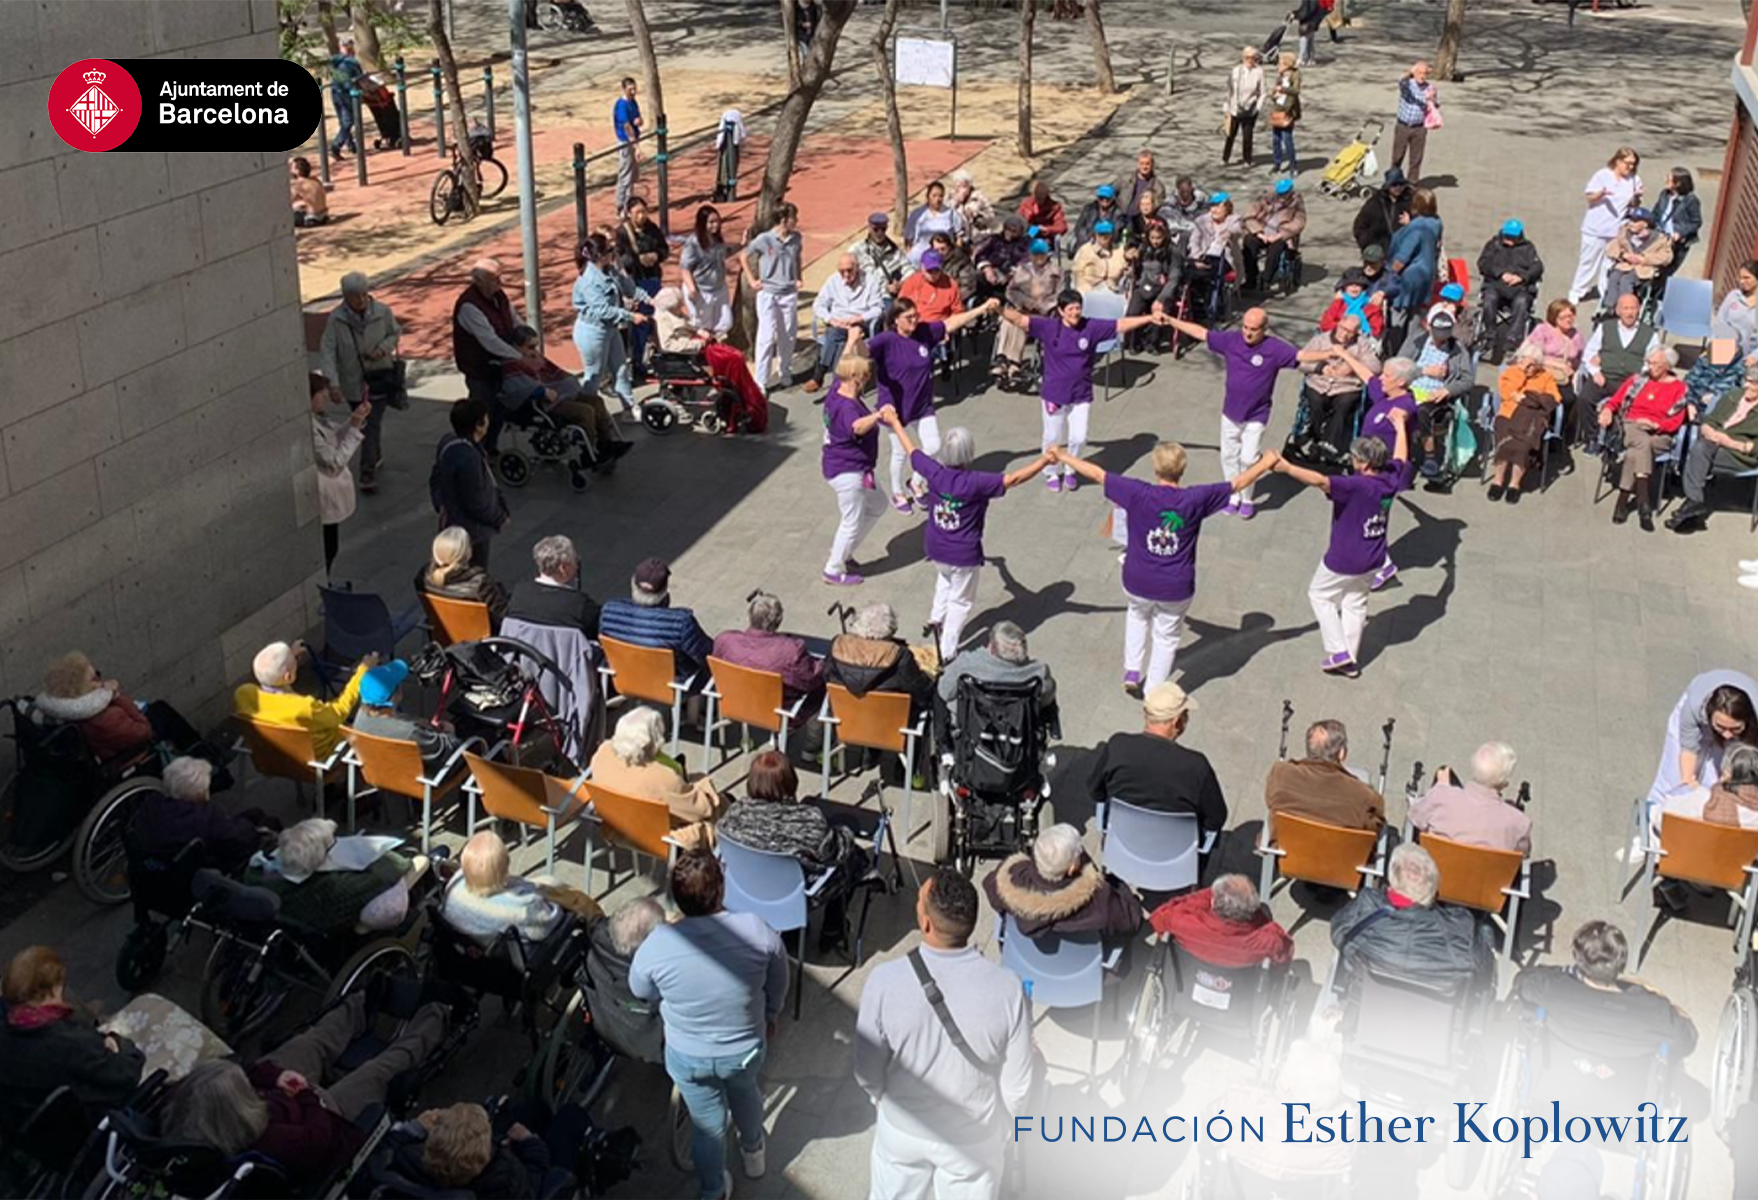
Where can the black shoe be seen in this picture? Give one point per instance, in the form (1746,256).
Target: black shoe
(1690,518)
(1513,495)
(610,451)
(1645,519)
(1496,492)
(1621,513)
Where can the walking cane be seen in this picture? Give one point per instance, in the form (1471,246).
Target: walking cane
(1287,716)
(1386,755)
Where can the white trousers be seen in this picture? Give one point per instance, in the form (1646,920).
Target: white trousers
(1067,426)
(1239,449)
(927,435)
(955,594)
(906,1167)
(1340,604)
(778,321)
(860,508)
(1158,621)
(711,311)
(1590,272)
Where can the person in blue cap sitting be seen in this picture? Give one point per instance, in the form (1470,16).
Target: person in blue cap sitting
(378,715)
(1638,256)
(1100,265)
(1102,207)
(1272,231)
(1508,273)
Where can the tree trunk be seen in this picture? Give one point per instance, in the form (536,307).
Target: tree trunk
(649,62)
(326,19)
(360,24)
(442,50)
(1101,48)
(893,121)
(790,35)
(1446,58)
(1028,13)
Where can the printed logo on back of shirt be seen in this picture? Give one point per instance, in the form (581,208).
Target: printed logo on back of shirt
(947,514)
(1162,540)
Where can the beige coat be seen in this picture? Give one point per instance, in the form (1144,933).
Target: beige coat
(332,446)
(694,806)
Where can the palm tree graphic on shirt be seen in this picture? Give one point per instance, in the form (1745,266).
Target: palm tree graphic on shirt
(1162,539)
(947,514)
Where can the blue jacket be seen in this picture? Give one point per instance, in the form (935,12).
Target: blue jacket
(1416,246)
(664,627)
(598,301)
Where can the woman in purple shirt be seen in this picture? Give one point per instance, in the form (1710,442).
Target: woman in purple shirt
(903,363)
(1071,345)
(1388,392)
(1361,505)
(1162,521)
(851,451)
(957,501)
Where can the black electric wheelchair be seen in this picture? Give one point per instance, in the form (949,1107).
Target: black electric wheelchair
(1308,445)
(995,763)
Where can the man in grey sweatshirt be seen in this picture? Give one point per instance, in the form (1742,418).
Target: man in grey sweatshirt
(943,1112)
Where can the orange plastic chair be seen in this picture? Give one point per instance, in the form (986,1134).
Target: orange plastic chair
(642,827)
(452,621)
(1477,877)
(287,752)
(528,797)
(1693,851)
(748,697)
(876,721)
(1294,848)
(646,673)
(395,766)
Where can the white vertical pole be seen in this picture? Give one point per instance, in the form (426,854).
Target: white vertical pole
(527,177)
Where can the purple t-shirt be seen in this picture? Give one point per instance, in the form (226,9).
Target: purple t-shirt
(846,451)
(1251,373)
(1378,421)
(1069,355)
(1361,508)
(1160,561)
(904,369)
(958,503)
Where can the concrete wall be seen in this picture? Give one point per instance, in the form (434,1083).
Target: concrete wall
(157,498)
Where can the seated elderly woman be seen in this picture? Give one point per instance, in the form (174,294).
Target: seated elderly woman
(450,574)
(678,335)
(272,700)
(378,716)
(764,647)
(631,1026)
(288,1107)
(484,899)
(167,821)
(870,657)
(1529,402)
(46,1042)
(1637,425)
(630,762)
(459,1150)
(1731,800)
(1562,345)
(1056,889)
(333,896)
(533,381)
(112,722)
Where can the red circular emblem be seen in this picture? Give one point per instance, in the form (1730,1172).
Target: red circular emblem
(94,105)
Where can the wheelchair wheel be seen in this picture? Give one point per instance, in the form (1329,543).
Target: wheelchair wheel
(550,19)
(659,418)
(385,956)
(1147,1026)
(142,957)
(1499,1161)
(1674,1169)
(567,1057)
(513,468)
(100,864)
(1731,1076)
(940,827)
(25,859)
(237,1000)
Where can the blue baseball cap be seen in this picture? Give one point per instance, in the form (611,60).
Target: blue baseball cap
(1284,186)
(1039,246)
(1453,292)
(1104,227)
(1219,198)
(1642,214)
(1105,192)
(878,220)
(1513,229)
(379,685)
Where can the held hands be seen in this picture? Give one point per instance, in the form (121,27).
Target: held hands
(291,1082)
(888,414)
(1399,417)
(637,318)
(1605,418)
(991,305)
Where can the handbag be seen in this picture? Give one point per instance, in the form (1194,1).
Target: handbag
(389,386)
(1431,116)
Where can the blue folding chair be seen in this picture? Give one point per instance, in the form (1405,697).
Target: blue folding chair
(1151,851)
(357,624)
(1688,308)
(1106,306)
(1061,971)
(1752,475)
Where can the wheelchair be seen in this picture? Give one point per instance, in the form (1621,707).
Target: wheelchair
(1184,1000)
(1304,447)
(690,395)
(1736,1045)
(61,795)
(995,762)
(52,1148)
(1449,423)
(1026,379)
(547,441)
(162,892)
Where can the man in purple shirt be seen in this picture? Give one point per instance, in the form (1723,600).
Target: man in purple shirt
(1162,521)
(1251,359)
(763,647)
(957,501)
(1361,506)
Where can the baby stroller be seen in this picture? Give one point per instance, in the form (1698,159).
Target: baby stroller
(1346,174)
(379,100)
(994,778)
(493,689)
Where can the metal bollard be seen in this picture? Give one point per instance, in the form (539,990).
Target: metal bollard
(354,103)
(439,110)
(580,192)
(323,146)
(403,104)
(661,158)
(488,97)
(1171,63)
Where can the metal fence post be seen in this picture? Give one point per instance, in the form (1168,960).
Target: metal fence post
(359,136)
(662,159)
(403,104)
(580,192)
(439,110)
(1171,63)
(488,96)
(323,146)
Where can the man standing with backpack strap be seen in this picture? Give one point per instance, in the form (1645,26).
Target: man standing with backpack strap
(943,1046)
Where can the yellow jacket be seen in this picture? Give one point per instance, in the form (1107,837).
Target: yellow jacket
(290,710)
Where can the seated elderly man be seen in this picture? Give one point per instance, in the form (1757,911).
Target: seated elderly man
(1152,769)
(378,715)
(870,657)
(167,821)
(999,255)
(1444,374)
(1225,924)
(1320,787)
(1590,1003)
(631,1026)
(763,647)
(847,306)
(630,762)
(933,290)
(1056,889)
(327,896)
(1272,231)
(647,618)
(1401,930)
(272,700)
(1477,812)
(1007,659)
(1332,389)
(532,381)
(1726,443)
(1638,256)
(555,596)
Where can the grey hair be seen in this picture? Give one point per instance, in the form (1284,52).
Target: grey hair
(638,736)
(1327,740)
(1528,353)
(1671,355)
(1402,370)
(957,448)
(1234,898)
(646,599)
(1007,642)
(1413,874)
(1493,765)
(355,283)
(553,553)
(273,663)
(188,778)
(961,176)
(766,612)
(303,848)
(1370,450)
(1739,767)
(1056,851)
(630,924)
(216,1104)
(874,621)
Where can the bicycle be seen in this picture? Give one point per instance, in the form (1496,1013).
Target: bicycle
(448,195)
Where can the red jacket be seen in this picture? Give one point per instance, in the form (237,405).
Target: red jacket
(1658,402)
(1190,921)
(1049,219)
(120,727)
(1376,317)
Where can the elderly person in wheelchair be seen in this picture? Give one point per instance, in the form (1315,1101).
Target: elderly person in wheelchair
(1590,1001)
(114,725)
(47,1042)
(485,899)
(1401,930)
(329,892)
(684,350)
(632,1027)
(512,1153)
(1529,400)
(531,385)
(1056,889)
(1637,426)
(166,821)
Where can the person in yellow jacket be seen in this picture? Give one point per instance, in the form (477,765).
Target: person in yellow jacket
(272,700)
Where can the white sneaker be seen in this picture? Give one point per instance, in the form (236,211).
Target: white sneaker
(1749,581)
(1748,566)
(754,1160)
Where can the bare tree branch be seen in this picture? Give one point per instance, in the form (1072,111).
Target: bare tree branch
(893,120)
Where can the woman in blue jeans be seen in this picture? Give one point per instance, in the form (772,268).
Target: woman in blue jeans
(720,979)
(601,316)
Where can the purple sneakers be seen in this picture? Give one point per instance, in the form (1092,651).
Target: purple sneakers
(1054,483)
(1247,510)
(1341,663)
(901,502)
(843,579)
(1132,683)
(1388,571)
(1071,483)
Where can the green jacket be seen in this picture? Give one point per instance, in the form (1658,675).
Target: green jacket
(1746,430)
(331,900)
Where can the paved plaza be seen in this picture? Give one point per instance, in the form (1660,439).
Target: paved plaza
(1542,625)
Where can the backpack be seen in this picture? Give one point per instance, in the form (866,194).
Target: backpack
(998,737)
(436,477)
